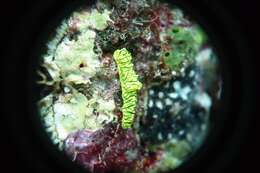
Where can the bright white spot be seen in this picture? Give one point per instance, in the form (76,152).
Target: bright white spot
(160,136)
(66,89)
(220,90)
(159,104)
(150,103)
(174,141)
(62,109)
(50,129)
(184,92)
(204,100)
(151,92)
(103,118)
(168,102)
(56,141)
(182,70)
(169,136)
(177,85)
(189,137)
(160,95)
(173,95)
(203,127)
(181,132)
(175,109)
(155,116)
(191,73)
(174,73)
(107,105)
(203,56)
(62,132)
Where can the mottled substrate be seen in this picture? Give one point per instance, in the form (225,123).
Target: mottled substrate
(177,118)
(83,108)
(109,149)
(78,98)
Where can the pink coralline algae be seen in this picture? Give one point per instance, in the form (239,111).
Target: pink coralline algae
(105,150)
(162,17)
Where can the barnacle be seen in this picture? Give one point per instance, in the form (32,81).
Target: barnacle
(129,85)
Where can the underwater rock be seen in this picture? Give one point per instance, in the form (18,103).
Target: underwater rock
(178,109)
(73,111)
(163,93)
(92,19)
(104,150)
(76,101)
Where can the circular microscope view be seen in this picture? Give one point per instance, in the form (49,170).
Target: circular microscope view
(128,85)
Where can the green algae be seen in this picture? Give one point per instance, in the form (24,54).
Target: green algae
(185,44)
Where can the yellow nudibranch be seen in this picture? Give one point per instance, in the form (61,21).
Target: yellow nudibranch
(129,85)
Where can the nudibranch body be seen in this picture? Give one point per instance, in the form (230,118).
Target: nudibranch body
(129,85)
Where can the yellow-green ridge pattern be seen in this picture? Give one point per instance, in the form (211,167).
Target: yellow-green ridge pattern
(129,85)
